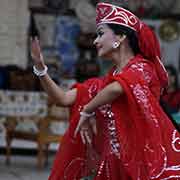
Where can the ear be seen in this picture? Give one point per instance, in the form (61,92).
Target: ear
(121,38)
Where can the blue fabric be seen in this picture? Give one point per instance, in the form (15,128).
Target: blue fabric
(67,31)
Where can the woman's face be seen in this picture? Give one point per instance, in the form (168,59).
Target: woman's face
(104,41)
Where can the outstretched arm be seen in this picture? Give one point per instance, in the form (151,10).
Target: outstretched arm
(52,89)
(60,97)
(107,95)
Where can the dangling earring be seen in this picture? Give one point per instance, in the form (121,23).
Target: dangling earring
(115,45)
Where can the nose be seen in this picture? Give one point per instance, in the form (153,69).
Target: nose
(95,41)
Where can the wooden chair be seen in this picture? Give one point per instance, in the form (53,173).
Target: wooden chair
(43,137)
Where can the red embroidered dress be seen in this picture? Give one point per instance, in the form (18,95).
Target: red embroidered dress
(135,139)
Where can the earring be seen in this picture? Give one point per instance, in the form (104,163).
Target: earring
(116,45)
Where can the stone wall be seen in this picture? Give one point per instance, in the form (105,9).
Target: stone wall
(14,18)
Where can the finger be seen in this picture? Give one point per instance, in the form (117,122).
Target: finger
(37,46)
(35,43)
(81,121)
(33,56)
(36,51)
(94,128)
(87,137)
(82,137)
(77,128)
(41,56)
(93,125)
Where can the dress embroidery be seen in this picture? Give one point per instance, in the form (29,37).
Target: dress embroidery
(140,67)
(176,141)
(142,95)
(109,117)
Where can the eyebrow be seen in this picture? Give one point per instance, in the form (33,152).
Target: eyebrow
(99,29)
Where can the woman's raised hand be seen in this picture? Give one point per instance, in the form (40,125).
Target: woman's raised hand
(37,54)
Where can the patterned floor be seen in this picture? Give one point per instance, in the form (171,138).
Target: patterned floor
(23,168)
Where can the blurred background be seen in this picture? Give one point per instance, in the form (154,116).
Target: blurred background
(31,125)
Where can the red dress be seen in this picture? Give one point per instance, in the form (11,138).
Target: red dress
(135,140)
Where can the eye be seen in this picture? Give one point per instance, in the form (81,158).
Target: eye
(100,33)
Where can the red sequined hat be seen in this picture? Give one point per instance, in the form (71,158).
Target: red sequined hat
(111,14)
(148,43)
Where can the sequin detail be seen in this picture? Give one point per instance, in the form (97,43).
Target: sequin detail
(147,76)
(113,138)
(141,94)
(101,168)
(92,90)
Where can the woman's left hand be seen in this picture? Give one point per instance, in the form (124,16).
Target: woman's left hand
(86,126)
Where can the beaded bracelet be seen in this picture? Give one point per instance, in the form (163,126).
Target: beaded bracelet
(85,114)
(40,73)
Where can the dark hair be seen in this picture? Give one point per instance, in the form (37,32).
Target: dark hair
(131,35)
(173,72)
(87,66)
